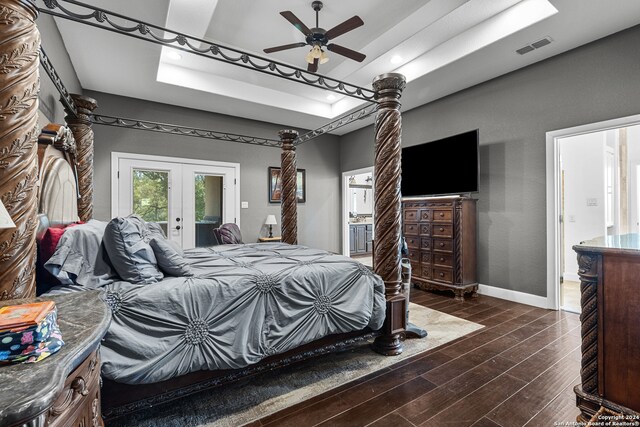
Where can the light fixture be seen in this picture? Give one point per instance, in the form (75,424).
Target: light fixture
(316,53)
(5,218)
(172,54)
(271,221)
(396,59)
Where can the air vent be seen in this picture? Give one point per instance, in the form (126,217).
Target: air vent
(526,49)
(535,45)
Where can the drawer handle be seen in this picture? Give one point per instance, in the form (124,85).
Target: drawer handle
(441,228)
(441,214)
(441,274)
(441,259)
(441,244)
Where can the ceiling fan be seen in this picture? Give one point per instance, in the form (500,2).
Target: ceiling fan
(318,38)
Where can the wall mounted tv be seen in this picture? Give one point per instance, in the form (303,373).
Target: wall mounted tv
(443,167)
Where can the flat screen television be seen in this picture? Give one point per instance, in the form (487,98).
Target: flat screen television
(446,166)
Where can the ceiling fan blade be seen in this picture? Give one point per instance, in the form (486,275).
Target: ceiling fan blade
(283,47)
(289,16)
(348,25)
(313,67)
(351,54)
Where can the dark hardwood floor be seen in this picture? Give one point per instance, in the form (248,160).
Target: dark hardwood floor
(517,371)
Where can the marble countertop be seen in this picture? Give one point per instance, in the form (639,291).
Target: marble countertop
(28,389)
(623,243)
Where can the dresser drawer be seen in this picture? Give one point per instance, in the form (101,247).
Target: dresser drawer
(442,260)
(442,230)
(442,274)
(442,215)
(411,229)
(425,229)
(414,256)
(443,245)
(425,243)
(78,403)
(412,242)
(416,270)
(425,215)
(425,258)
(410,215)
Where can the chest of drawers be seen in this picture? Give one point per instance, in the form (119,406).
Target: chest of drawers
(441,237)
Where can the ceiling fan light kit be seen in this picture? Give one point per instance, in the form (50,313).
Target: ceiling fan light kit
(318,38)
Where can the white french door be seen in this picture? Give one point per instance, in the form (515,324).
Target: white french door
(188,198)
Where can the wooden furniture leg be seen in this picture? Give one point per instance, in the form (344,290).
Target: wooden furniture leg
(387,205)
(80,126)
(289,199)
(19,87)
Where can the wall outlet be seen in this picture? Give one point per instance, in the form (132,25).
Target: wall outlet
(592,202)
(244,205)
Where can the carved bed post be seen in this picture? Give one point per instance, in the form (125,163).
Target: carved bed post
(80,126)
(19,87)
(289,199)
(388,215)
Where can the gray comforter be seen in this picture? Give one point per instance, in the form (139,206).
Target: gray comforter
(244,303)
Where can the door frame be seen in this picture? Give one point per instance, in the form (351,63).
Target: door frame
(116,156)
(345,205)
(553,174)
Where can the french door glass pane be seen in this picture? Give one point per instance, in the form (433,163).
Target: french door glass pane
(151,196)
(209,199)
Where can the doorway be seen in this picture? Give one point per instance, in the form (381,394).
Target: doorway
(187,197)
(592,191)
(357,190)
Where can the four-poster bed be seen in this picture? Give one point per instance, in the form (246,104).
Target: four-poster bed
(18,179)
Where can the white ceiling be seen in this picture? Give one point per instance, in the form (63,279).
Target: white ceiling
(445,45)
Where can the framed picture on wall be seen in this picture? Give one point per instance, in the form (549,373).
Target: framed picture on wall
(275,185)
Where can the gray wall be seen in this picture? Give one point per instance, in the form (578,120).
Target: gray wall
(596,82)
(54,47)
(318,218)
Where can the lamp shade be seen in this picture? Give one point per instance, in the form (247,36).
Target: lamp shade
(271,220)
(5,218)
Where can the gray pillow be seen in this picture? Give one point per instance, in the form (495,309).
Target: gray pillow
(152,230)
(169,260)
(128,252)
(80,257)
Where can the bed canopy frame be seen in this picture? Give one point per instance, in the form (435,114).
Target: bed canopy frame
(20,55)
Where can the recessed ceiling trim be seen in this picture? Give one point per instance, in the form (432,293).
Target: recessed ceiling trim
(184,77)
(510,21)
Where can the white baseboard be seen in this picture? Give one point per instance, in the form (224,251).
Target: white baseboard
(515,296)
(571,276)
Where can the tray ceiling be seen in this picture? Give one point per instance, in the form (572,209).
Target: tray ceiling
(444,46)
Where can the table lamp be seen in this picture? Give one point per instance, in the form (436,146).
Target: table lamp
(271,221)
(5,218)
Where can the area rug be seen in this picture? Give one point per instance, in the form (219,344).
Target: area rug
(265,394)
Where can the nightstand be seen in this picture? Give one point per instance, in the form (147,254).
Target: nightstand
(269,239)
(64,388)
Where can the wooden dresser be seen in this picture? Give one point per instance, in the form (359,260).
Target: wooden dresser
(63,389)
(441,237)
(609,270)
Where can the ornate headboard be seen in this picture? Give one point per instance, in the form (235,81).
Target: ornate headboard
(58,194)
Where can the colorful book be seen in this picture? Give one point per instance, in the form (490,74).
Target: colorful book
(24,315)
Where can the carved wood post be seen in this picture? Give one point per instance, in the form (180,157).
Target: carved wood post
(80,126)
(19,87)
(387,204)
(588,264)
(289,199)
